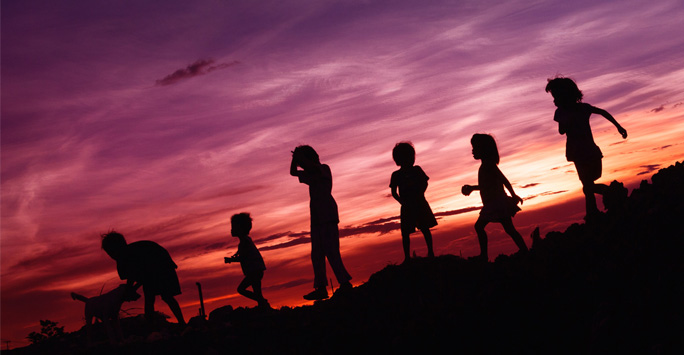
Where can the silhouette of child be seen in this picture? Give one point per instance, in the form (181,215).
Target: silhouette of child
(496,205)
(147,264)
(573,116)
(408,185)
(325,235)
(250,259)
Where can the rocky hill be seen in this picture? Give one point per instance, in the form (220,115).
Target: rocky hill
(615,286)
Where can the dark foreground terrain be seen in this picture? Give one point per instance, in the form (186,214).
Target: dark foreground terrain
(614,286)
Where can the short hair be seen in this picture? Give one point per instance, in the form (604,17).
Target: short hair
(564,88)
(308,152)
(113,240)
(486,145)
(404,153)
(244,220)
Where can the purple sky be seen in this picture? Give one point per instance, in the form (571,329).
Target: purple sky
(161,121)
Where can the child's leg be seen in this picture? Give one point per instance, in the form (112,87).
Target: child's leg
(256,286)
(588,188)
(149,304)
(318,256)
(406,243)
(242,288)
(480,225)
(517,238)
(331,245)
(175,308)
(588,172)
(255,282)
(428,241)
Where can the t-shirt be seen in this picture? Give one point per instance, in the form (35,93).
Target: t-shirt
(410,182)
(580,145)
(249,256)
(144,260)
(322,204)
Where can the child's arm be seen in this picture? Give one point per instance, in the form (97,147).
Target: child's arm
(561,123)
(395,194)
(235,257)
(467,189)
(293,167)
(611,119)
(508,186)
(424,184)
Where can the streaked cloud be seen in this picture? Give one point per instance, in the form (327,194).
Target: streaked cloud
(199,67)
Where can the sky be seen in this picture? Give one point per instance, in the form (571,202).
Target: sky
(162,119)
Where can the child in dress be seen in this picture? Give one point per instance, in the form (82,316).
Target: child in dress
(573,116)
(496,205)
(250,259)
(408,185)
(325,235)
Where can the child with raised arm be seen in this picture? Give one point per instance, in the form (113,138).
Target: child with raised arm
(496,205)
(573,116)
(250,259)
(408,185)
(147,264)
(325,235)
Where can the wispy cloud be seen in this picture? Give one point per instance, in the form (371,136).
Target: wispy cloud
(546,193)
(648,169)
(199,67)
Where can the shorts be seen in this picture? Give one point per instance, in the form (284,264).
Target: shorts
(589,170)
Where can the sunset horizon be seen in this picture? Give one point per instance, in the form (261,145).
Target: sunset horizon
(161,122)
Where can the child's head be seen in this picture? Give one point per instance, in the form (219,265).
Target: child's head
(404,154)
(113,244)
(484,147)
(307,152)
(564,91)
(240,224)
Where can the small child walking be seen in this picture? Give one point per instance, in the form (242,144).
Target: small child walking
(573,116)
(408,185)
(496,205)
(250,259)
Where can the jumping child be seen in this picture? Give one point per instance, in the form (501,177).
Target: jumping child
(496,205)
(250,259)
(573,116)
(408,185)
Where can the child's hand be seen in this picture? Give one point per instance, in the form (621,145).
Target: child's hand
(517,199)
(622,132)
(227,260)
(466,189)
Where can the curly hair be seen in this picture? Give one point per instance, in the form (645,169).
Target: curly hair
(404,154)
(242,220)
(564,88)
